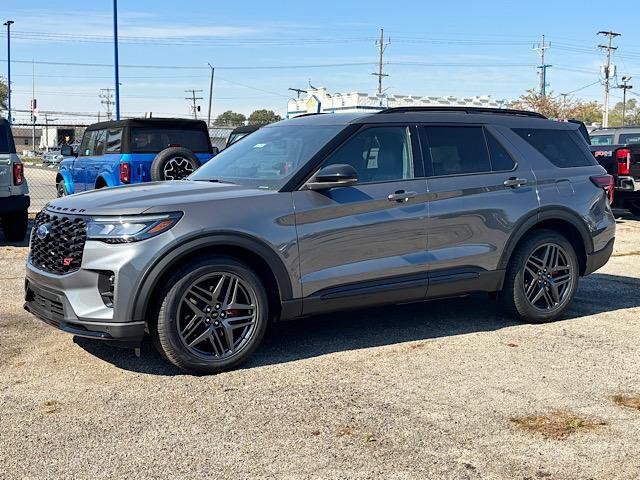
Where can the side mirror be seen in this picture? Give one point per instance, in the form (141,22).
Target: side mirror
(67,151)
(331,176)
(215,151)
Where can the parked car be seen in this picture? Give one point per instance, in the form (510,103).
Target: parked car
(322,213)
(134,151)
(241,132)
(14,192)
(618,151)
(52,158)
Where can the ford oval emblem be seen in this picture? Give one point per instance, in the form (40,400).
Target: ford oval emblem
(43,231)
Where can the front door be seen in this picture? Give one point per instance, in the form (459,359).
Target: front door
(352,237)
(477,194)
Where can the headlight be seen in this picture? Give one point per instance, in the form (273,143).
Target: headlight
(127,229)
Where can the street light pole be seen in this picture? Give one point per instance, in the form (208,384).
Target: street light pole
(115,57)
(8,24)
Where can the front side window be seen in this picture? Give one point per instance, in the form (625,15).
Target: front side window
(629,138)
(457,150)
(269,157)
(378,154)
(100,141)
(155,139)
(88,143)
(558,146)
(601,139)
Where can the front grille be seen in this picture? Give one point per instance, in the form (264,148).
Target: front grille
(60,251)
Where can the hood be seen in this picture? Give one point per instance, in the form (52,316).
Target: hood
(152,197)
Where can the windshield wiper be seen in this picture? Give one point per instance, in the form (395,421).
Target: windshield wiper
(213,180)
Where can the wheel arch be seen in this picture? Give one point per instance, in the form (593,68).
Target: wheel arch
(255,253)
(101,182)
(559,219)
(64,176)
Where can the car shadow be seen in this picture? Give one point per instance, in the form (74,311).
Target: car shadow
(389,325)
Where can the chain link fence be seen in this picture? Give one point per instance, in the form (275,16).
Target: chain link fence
(39,148)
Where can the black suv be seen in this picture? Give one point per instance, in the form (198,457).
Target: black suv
(326,212)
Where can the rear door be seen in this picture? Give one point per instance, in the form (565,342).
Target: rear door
(6,169)
(351,238)
(478,191)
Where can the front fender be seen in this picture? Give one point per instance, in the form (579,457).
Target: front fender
(67,178)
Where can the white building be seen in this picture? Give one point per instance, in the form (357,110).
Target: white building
(319,100)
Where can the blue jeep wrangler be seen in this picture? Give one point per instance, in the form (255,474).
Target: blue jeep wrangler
(133,151)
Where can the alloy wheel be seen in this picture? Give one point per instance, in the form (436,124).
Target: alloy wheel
(178,168)
(548,277)
(217,316)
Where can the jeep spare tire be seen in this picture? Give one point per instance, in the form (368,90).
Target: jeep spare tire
(174,163)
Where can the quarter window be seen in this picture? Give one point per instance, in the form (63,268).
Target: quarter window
(500,159)
(457,150)
(378,154)
(558,146)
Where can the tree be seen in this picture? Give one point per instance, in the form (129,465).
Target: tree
(3,94)
(230,119)
(561,108)
(631,116)
(588,112)
(264,116)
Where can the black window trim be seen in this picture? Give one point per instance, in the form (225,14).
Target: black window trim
(347,134)
(429,161)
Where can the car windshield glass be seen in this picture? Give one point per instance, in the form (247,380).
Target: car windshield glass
(601,139)
(154,139)
(269,157)
(630,138)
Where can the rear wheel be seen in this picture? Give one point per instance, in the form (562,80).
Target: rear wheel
(634,206)
(541,278)
(14,225)
(213,315)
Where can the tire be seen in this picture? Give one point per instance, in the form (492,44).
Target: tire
(526,274)
(181,303)
(174,163)
(61,189)
(14,226)
(634,206)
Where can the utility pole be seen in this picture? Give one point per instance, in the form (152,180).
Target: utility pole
(106,99)
(116,65)
(210,94)
(625,86)
(541,48)
(33,106)
(382,46)
(8,24)
(607,73)
(195,108)
(298,91)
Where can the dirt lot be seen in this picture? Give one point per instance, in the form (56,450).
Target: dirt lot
(447,389)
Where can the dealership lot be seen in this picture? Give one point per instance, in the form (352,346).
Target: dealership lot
(417,391)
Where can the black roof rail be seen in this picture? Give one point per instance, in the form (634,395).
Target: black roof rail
(468,110)
(309,114)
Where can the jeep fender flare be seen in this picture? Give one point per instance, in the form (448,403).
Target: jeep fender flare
(544,214)
(170,256)
(67,179)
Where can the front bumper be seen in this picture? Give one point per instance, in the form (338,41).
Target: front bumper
(53,308)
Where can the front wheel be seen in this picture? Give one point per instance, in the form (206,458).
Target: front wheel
(213,315)
(61,189)
(541,278)
(633,206)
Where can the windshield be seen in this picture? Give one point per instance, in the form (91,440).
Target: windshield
(601,139)
(629,138)
(269,157)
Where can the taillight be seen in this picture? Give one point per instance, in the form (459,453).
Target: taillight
(125,172)
(18,174)
(606,183)
(623,156)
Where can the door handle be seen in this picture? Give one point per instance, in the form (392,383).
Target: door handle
(401,196)
(515,182)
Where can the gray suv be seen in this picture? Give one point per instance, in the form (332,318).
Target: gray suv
(322,213)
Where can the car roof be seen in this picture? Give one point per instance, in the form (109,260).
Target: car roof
(466,115)
(614,130)
(150,122)
(247,128)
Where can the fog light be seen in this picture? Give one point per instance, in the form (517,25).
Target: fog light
(106,287)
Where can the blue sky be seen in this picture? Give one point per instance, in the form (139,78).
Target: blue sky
(459,48)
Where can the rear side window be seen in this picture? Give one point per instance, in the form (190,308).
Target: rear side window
(4,140)
(154,140)
(631,138)
(558,146)
(114,140)
(601,139)
(457,150)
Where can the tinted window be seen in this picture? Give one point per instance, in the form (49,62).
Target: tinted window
(99,142)
(558,146)
(378,154)
(632,138)
(4,140)
(153,139)
(500,159)
(88,142)
(114,140)
(601,139)
(457,150)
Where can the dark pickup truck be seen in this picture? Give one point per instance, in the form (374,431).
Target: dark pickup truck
(618,151)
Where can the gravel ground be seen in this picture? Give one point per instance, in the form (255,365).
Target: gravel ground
(420,391)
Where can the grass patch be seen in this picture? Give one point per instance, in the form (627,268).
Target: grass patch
(556,425)
(629,401)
